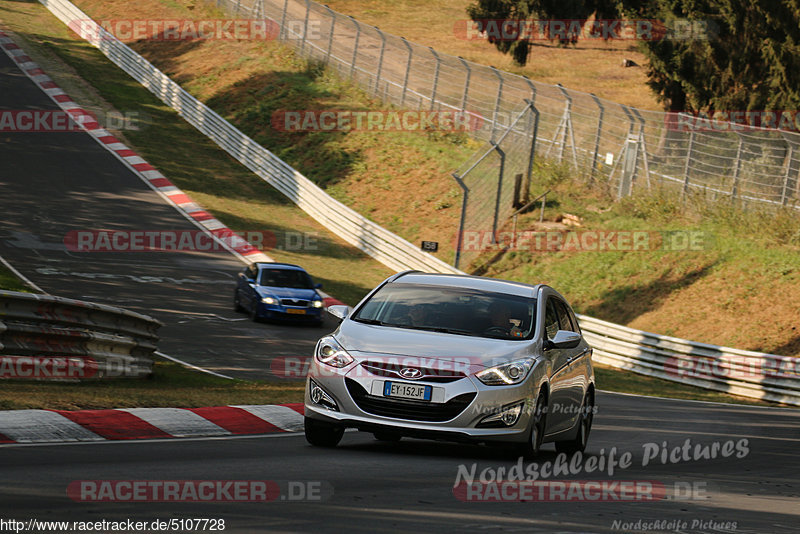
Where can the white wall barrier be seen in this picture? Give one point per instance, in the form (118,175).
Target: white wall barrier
(53,338)
(750,374)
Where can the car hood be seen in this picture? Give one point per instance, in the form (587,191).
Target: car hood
(287,292)
(362,339)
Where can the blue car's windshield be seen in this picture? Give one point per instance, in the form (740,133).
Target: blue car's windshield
(285,278)
(452,310)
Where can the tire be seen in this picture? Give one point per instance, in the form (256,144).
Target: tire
(538,427)
(322,434)
(387,436)
(237,306)
(578,443)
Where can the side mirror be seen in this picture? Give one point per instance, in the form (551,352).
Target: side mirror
(340,311)
(564,339)
(317,286)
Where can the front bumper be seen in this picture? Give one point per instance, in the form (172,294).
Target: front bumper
(454,413)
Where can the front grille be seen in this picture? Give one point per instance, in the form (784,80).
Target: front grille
(291,302)
(391,370)
(408,409)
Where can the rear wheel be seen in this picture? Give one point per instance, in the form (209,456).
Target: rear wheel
(322,434)
(538,428)
(578,443)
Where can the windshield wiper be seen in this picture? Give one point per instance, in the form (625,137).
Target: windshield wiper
(441,329)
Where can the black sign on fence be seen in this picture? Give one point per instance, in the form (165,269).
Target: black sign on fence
(430,246)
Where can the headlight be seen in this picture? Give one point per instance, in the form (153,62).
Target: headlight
(506,374)
(316,303)
(269,300)
(329,352)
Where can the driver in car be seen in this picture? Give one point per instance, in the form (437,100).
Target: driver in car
(502,322)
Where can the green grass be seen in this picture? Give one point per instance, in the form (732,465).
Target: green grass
(171,385)
(10,282)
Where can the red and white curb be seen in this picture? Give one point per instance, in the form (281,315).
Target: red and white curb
(141,168)
(58,426)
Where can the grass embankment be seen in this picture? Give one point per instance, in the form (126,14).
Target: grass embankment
(386,173)
(10,282)
(171,385)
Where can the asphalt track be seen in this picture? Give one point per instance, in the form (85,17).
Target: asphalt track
(51,183)
(370,486)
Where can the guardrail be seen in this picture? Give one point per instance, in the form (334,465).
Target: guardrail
(43,337)
(739,372)
(641,352)
(384,246)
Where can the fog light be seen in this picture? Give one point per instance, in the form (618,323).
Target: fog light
(319,396)
(506,416)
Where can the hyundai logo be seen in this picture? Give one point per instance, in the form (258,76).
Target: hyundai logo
(411,373)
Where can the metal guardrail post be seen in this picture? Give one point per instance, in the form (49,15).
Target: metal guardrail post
(466,83)
(435,76)
(497,102)
(598,133)
(408,71)
(330,35)
(283,33)
(355,47)
(305,27)
(380,59)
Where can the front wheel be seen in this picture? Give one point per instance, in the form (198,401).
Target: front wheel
(538,428)
(578,443)
(322,434)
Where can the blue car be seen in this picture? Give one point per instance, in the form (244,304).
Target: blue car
(279,291)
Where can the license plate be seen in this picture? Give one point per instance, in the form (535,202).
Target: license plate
(407,391)
(295,311)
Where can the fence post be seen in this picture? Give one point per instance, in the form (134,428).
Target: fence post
(380,59)
(785,189)
(408,71)
(330,35)
(435,76)
(355,47)
(466,83)
(643,146)
(737,168)
(597,134)
(238,6)
(497,102)
(687,165)
(460,238)
(499,189)
(305,27)
(534,129)
(282,33)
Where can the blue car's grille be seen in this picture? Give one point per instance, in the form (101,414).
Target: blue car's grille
(293,302)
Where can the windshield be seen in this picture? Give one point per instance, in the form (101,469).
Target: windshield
(452,310)
(285,278)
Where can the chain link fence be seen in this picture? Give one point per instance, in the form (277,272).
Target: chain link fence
(625,147)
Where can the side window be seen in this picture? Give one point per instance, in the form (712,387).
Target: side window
(252,272)
(550,319)
(564,317)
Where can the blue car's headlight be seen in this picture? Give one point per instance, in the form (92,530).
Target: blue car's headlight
(316,303)
(269,300)
(507,374)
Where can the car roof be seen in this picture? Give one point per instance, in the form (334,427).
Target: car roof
(469,282)
(276,265)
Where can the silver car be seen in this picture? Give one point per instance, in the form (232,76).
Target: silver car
(456,358)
